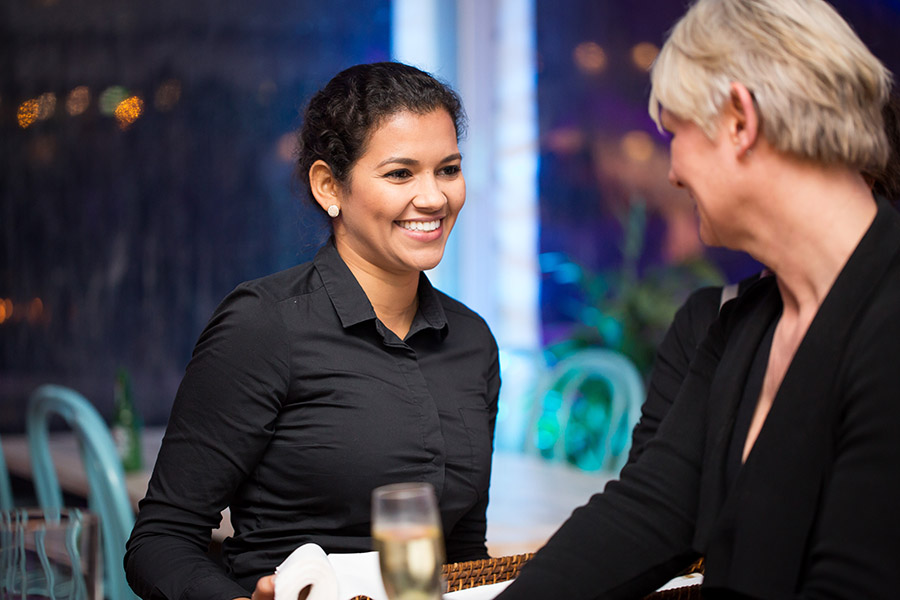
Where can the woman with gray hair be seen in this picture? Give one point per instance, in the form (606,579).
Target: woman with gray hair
(778,462)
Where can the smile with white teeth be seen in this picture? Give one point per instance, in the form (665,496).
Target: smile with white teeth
(420,225)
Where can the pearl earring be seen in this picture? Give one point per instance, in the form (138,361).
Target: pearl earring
(334,210)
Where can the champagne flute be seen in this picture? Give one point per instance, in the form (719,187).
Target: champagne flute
(406,527)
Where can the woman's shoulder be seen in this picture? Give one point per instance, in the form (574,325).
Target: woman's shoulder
(288,281)
(456,310)
(293,281)
(753,293)
(702,305)
(253,305)
(465,323)
(879,315)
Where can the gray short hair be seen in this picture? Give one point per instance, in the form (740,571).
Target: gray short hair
(818,90)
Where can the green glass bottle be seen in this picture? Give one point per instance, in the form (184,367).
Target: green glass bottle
(126,426)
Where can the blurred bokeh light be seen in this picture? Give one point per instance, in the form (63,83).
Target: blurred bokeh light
(118,244)
(590,57)
(129,110)
(28,113)
(167,95)
(638,146)
(111,98)
(643,54)
(78,100)
(46,106)
(146,171)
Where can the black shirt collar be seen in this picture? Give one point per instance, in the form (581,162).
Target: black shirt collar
(352,305)
(431,311)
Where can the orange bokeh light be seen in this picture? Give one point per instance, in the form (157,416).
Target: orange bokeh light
(643,54)
(35,310)
(28,113)
(590,57)
(129,110)
(638,146)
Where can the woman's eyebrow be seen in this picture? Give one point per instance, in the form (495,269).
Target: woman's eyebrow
(398,160)
(411,162)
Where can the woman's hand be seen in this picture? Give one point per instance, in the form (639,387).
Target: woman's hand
(265,588)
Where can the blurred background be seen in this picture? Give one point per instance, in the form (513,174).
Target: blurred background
(147,169)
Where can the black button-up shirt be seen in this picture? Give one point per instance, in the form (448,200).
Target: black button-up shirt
(297,402)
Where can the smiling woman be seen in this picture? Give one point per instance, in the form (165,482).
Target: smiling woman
(694,157)
(777,461)
(396,209)
(313,386)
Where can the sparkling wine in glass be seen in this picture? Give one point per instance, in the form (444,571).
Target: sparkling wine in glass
(406,527)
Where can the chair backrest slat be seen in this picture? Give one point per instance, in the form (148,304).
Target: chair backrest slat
(567,378)
(6,498)
(108,494)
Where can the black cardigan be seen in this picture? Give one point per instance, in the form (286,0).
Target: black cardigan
(675,353)
(815,510)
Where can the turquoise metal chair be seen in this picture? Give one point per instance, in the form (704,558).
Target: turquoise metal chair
(562,385)
(108,495)
(43,554)
(6,499)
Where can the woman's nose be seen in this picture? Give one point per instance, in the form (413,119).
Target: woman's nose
(429,196)
(673,179)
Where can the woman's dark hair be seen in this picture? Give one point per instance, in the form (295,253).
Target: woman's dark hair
(886,181)
(342,115)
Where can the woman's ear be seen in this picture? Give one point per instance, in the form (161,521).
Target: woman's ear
(325,187)
(743,119)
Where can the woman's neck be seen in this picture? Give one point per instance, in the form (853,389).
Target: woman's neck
(394,296)
(813,217)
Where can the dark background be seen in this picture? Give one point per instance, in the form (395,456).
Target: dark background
(131,237)
(117,243)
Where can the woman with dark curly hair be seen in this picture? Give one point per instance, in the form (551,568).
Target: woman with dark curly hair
(311,387)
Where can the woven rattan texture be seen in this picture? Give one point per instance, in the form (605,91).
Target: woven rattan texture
(472,573)
(464,575)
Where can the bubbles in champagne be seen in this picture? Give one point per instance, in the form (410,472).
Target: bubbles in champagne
(411,560)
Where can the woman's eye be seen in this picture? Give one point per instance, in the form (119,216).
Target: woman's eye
(398,174)
(451,170)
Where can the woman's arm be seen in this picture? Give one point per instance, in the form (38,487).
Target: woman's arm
(673,357)
(220,424)
(638,533)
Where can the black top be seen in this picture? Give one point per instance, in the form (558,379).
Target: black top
(297,402)
(812,512)
(670,366)
(746,408)
(675,353)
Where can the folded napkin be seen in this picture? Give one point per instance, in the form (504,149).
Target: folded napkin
(683,581)
(332,577)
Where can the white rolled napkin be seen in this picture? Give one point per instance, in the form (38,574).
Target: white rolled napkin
(307,565)
(332,577)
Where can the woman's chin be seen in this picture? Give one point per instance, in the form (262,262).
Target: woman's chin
(424,259)
(427,266)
